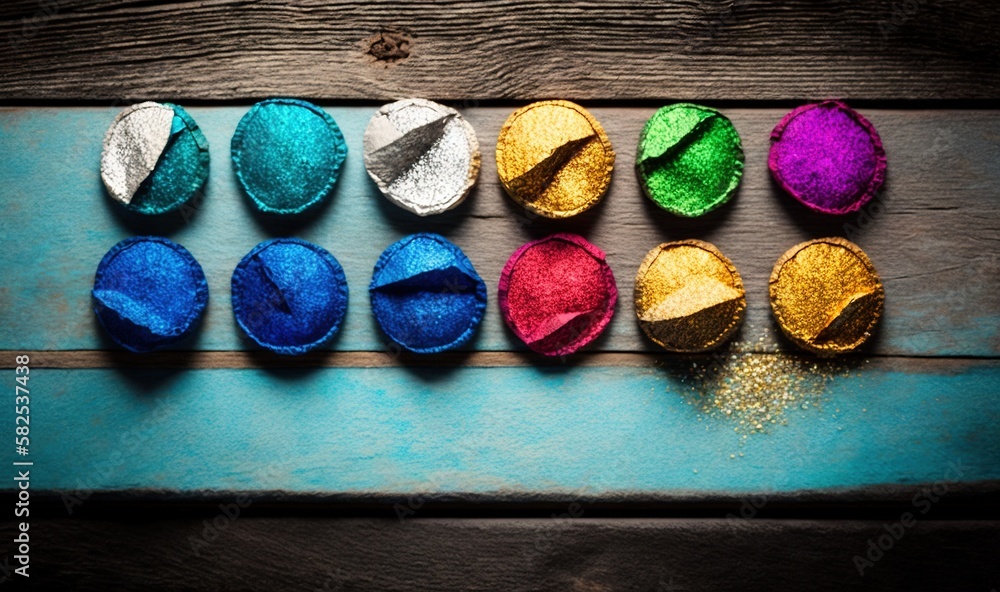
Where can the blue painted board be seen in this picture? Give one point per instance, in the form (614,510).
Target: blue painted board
(594,431)
(933,236)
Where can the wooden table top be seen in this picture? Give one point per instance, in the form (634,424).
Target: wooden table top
(354,456)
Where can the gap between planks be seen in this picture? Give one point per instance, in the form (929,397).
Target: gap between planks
(203,360)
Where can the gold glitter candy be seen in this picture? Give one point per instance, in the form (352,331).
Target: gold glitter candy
(554,158)
(826,295)
(688,296)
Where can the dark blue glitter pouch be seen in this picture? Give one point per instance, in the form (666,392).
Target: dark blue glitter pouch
(149,292)
(289,295)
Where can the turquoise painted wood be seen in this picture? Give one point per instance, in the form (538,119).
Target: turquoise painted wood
(588,431)
(934,242)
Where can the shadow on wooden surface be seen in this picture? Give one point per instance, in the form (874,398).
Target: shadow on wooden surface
(570,551)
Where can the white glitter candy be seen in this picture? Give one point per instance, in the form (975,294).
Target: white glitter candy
(132,147)
(423,156)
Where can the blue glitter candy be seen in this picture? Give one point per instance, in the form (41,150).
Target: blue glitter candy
(181,170)
(289,295)
(287,155)
(149,292)
(426,295)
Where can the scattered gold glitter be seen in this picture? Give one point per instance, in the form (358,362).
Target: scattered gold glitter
(688,296)
(554,158)
(757,390)
(826,295)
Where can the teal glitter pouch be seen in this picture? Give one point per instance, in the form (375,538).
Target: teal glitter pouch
(155,158)
(287,155)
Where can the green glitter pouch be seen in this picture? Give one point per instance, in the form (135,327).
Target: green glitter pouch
(689,159)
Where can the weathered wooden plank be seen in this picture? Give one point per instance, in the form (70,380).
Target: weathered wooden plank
(346,359)
(571,553)
(585,49)
(933,237)
(513,433)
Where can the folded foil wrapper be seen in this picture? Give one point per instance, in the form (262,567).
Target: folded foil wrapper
(426,295)
(826,295)
(132,147)
(149,293)
(554,159)
(289,295)
(155,158)
(423,156)
(689,159)
(557,294)
(688,296)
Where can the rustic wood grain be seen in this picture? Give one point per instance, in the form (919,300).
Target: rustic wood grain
(935,248)
(932,235)
(610,433)
(584,49)
(562,553)
(205,360)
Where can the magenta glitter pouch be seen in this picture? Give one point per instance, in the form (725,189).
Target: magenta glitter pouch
(828,157)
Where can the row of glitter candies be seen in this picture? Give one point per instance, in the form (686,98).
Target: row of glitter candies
(557,294)
(396,147)
(553,157)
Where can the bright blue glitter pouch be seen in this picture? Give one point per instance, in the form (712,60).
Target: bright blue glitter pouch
(289,295)
(287,155)
(149,292)
(426,295)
